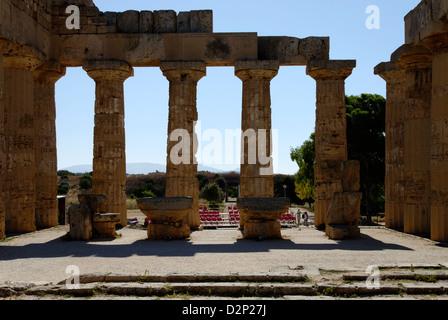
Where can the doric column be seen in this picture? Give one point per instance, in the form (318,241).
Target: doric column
(45,78)
(330,131)
(2,151)
(256,168)
(109,153)
(20,173)
(439,138)
(417,137)
(395,76)
(181,165)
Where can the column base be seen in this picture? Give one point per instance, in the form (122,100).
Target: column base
(104,225)
(341,232)
(262,229)
(157,231)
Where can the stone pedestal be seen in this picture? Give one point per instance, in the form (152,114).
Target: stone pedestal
(104,225)
(80,221)
(45,78)
(260,215)
(181,167)
(20,169)
(395,76)
(417,136)
(167,217)
(109,150)
(330,131)
(344,211)
(439,138)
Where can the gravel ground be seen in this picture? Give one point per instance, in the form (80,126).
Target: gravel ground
(45,256)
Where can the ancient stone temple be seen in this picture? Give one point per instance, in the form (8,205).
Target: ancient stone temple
(417,126)
(39,39)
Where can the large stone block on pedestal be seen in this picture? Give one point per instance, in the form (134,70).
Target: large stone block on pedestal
(80,222)
(104,224)
(263,229)
(158,231)
(343,215)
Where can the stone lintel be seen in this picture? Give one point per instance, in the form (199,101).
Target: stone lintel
(256,69)
(330,69)
(108,70)
(183,70)
(391,71)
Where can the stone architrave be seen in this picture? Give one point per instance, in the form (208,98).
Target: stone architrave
(256,166)
(395,76)
(20,169)
(45,78)
(330,130)
(417,61)
(181,164)
(439,137)
(109,154)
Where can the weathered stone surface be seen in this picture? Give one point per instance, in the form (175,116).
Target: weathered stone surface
(330,130)
(201,21)
(128,21)
(168,232)
(80,222)
(181,169)
(165,21)
(183,22)
(104,224)
(146,22)
(344,208)
(350,173)
(92,201)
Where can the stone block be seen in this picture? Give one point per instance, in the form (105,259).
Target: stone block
(80,222)
(341,232)
(146,22)
(201,21)
(183,22)
(128,21)
(344,208)
(350,175)
(167,231)
(263,229)
(165,21)
(104,224)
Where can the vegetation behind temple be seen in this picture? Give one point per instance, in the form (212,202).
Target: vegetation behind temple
(365,141)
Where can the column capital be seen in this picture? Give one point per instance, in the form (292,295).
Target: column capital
(108,70)
(183,71)
(391,72)
(50,71)
(410,55)
(256,69)
(437,43)
(20,57)
(330,69)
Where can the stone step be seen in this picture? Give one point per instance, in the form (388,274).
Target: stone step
(417,275)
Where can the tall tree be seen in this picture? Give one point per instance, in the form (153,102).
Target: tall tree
(366,143)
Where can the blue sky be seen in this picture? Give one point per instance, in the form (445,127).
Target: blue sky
(220,92)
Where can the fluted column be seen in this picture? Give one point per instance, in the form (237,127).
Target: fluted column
(181,165)
(2,150)
(256,168)
(395,77)
(439,138)
(20,173)
(45,78)
(330,131)
(417,137)
(109,153)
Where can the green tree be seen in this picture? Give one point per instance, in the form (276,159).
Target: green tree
(366,120)
(212,193)
(304,179)
(85,182)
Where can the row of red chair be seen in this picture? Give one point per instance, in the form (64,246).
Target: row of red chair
(287,219)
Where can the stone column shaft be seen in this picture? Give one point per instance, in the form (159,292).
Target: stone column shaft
(20,175)
(439,138)
(395,77)
(109,150)
(45,78)
(330,131)
(181,165)
(256,177)
(2,151)
(417,138)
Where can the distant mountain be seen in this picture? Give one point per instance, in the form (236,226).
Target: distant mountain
(136,168)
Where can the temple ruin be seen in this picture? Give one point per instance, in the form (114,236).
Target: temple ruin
(37,46)
(417,126)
